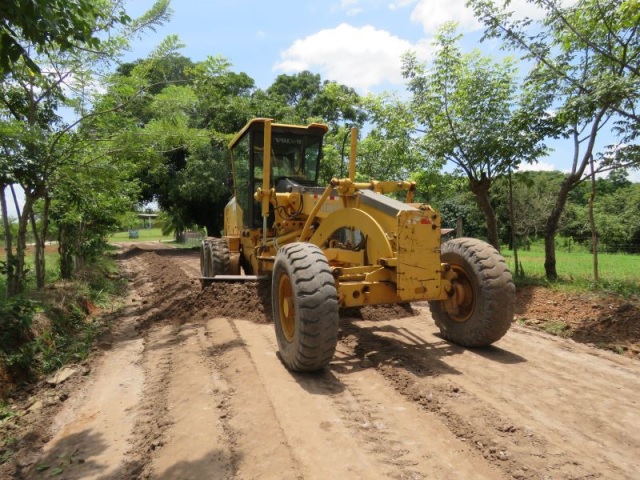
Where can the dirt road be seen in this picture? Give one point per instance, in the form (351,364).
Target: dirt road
(189,386)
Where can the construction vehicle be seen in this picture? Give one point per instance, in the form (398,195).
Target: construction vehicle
(347,244)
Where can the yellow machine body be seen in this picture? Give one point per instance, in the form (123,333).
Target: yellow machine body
(380,250)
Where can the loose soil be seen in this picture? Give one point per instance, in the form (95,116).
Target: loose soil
(188,385)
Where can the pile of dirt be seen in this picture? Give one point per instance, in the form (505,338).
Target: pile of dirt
(249,300)
(603,321)
(252,301)
(246,300)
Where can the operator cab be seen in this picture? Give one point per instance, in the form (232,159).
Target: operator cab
(294,160)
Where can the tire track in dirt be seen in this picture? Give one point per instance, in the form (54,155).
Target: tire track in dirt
(413,367)
(152,409)
(196,406)
(482,396)
(364,428)
(262,447)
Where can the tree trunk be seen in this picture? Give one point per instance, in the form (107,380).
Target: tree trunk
(567,185)
(38,253)
(64,249)
(552,227)
(592,221)
(480,189)
(8,245)
(40,240)
(512,220)
(21,243)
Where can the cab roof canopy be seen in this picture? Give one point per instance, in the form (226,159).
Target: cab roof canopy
(258,123)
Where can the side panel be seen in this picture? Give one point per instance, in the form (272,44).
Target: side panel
(418,271)
(232,218)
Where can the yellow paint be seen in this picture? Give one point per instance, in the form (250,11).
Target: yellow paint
(398,262)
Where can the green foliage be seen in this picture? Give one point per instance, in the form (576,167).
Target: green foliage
(304,97)
(52,25)
(44,155)
(390,150)
(558,328)
(534,194)
(471,111)
(586,58)
(16,346)
(39,337)
(616,212)
(474,117)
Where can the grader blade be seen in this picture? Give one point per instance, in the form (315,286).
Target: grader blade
(235,278)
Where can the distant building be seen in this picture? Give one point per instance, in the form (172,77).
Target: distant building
(147,219)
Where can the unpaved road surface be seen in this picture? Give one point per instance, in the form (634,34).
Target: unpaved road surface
(189,386)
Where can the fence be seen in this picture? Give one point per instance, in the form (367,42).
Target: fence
(190,238)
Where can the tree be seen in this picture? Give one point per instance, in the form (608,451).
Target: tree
(89,196)
(52,25)
(587,56)
(533,198)
(616,214)
(180,134)
(473,116)
(42,143)
(304,97)
(390,150)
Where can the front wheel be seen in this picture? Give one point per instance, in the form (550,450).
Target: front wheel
(481,307)
(305,307)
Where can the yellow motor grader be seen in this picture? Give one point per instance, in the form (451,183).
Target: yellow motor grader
(345,245)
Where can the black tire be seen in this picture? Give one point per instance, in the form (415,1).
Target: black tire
(487,311)
(220,263)
(305,307)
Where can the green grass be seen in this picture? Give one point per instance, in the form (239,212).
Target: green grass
(619,273)
(144,235)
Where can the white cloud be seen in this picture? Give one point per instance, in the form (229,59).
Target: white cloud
(350,7)
(360,57)
(536,167)
(398,4)
(433,13)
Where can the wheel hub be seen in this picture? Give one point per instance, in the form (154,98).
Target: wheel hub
(286,308)
(461,303)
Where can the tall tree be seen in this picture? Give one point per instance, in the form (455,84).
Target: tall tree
(29,101)
(587,56)
(474,117)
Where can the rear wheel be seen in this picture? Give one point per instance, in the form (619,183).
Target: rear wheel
(305,307)
(220,262)
(480,310)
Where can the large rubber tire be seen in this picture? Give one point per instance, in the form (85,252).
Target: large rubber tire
(305,307)
(488,309)
(220,263)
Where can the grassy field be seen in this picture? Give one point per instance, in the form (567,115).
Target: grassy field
(144,235)
(619,272)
